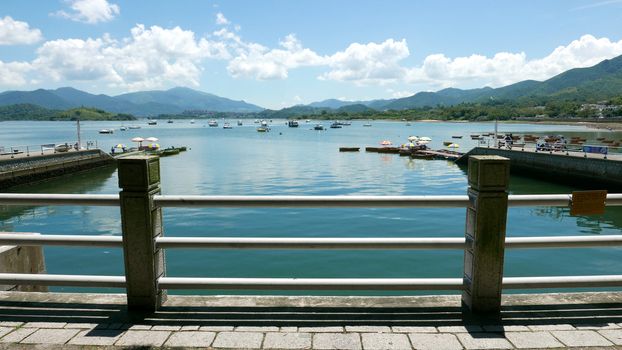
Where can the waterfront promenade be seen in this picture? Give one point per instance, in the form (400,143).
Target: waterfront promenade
(77,321)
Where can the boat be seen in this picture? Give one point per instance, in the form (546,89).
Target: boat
(212,123)
(292,123)
(456,137)
(123,128)
(134,126)
(227,126)
(346,123)
(152,122)
(367,124)
(335,125)
(318,127)
(240,123)
(349,149)
(307,121)
(447,143)
(192,121)
(106,131)
(264,123)
(170,121)
(256,121)
(262,129)
(408,124)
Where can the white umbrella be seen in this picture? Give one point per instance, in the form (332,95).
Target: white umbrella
(413,138)
(152,139)
(425,138)
(139,140)
(422,142)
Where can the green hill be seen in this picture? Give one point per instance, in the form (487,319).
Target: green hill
(33,112)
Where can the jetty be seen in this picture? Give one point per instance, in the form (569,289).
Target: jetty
(592,169)
(24,168)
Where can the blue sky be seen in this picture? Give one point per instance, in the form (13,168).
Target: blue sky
(280,53)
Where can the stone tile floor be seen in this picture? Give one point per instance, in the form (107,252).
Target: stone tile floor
(53,320)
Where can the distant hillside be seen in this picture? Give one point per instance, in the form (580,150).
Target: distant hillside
(34,112)
(188,99)
(146,103)
(599,82)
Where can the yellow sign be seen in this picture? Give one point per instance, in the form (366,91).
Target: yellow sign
(588,202)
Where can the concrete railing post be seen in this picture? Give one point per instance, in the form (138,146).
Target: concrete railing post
(485,233)
(139,179)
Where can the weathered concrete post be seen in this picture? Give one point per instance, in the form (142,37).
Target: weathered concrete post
(139,179)
(485,233)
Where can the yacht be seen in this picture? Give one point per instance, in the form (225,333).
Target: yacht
(292,124)
(170,121)
(212,123)
(318,127)
(152,122)
(134,126)
(227,126)
(335,125)
(240,123)
(192,121)
(123,128)
(106,131)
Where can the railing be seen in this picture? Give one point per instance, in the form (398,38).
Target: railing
(12,151)
(484,242)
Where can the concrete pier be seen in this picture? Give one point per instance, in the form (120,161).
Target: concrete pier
(593,170)
(101,321)
(22,169)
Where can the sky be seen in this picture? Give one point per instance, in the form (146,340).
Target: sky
(278,53)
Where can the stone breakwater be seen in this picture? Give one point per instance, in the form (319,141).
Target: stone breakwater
(21,170)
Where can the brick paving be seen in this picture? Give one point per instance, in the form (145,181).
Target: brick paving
(79,328)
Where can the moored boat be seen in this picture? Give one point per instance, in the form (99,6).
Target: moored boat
(106,131)
(262,129)
(212,123)
(292,123)
(335,125)
(318,127)
(367,124)
(152,122)
(240,123)
(227,126)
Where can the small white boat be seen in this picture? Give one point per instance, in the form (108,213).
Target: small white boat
(227,126)
(106,131)
(134,126)
(123,128)
(192,121)
(152,122)
(263,129)
(264,123)
(170,121)
(240,123)
(367,124)
(212,123)
(318,127)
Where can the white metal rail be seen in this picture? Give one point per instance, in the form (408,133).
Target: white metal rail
(310,243)
(453,201)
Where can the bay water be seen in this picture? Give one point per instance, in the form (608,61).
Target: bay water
(301,161)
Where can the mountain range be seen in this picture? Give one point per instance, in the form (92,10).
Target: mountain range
(600,82)
(143,103)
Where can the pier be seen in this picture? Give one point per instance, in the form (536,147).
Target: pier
(568,166)
(22,168)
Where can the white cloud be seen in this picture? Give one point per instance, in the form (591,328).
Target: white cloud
(14,73)
(259,62)
(370,63)
(506,68)
(221,19)
(14,32)
(90,11)
(151,57)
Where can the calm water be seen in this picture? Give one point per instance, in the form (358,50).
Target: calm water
(300,161)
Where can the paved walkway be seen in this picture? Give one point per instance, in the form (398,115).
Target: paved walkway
(77,321)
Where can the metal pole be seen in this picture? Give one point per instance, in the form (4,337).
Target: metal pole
(495,142)
(485,233)
(79,140)
(141,222)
